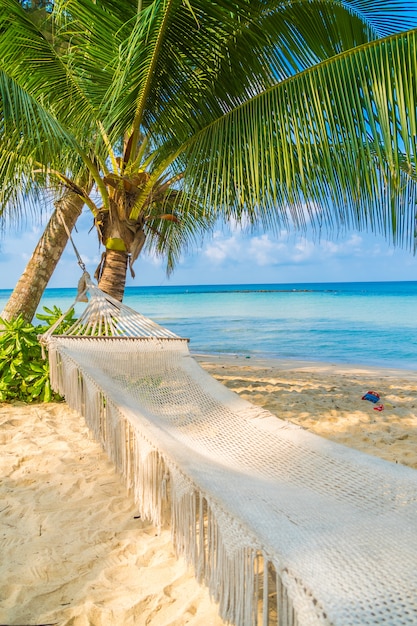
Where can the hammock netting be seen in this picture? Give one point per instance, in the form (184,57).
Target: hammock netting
(283,526)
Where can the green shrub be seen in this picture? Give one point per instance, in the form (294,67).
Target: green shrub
(52,316)
(24,374)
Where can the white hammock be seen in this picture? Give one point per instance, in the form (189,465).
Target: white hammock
(269,514)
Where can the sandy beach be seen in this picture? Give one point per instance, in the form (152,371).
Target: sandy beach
(74,550)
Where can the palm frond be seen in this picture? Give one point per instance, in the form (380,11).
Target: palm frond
(327,146)
(209,66)
(27,121)
(30,59)
(170,239)
(103,39)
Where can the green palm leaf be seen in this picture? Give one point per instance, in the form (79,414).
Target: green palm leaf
(326,146)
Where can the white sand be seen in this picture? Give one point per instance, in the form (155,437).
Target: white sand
(72,550)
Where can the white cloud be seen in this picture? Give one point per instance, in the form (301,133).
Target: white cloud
(223,248)
(284,250)
(267,250)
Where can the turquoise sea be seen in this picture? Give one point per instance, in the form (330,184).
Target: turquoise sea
(362,323)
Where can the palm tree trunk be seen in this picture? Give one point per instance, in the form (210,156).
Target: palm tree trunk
(112,279)
(31,285)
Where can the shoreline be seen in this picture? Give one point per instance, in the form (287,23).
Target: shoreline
(302,364)
(75,551)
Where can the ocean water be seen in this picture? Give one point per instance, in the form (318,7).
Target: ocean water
(361,323)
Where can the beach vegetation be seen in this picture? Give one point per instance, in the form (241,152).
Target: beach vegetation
(162,117)
(24,372)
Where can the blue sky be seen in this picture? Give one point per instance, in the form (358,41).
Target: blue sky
(227,257)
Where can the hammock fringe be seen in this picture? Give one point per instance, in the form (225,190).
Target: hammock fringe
(230,569)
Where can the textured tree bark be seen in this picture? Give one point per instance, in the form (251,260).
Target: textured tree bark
(31,285)
(113,274)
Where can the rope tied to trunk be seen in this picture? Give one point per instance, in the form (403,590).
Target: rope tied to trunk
(77,254)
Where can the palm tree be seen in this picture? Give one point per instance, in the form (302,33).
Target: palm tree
(44,259)
(274,112)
